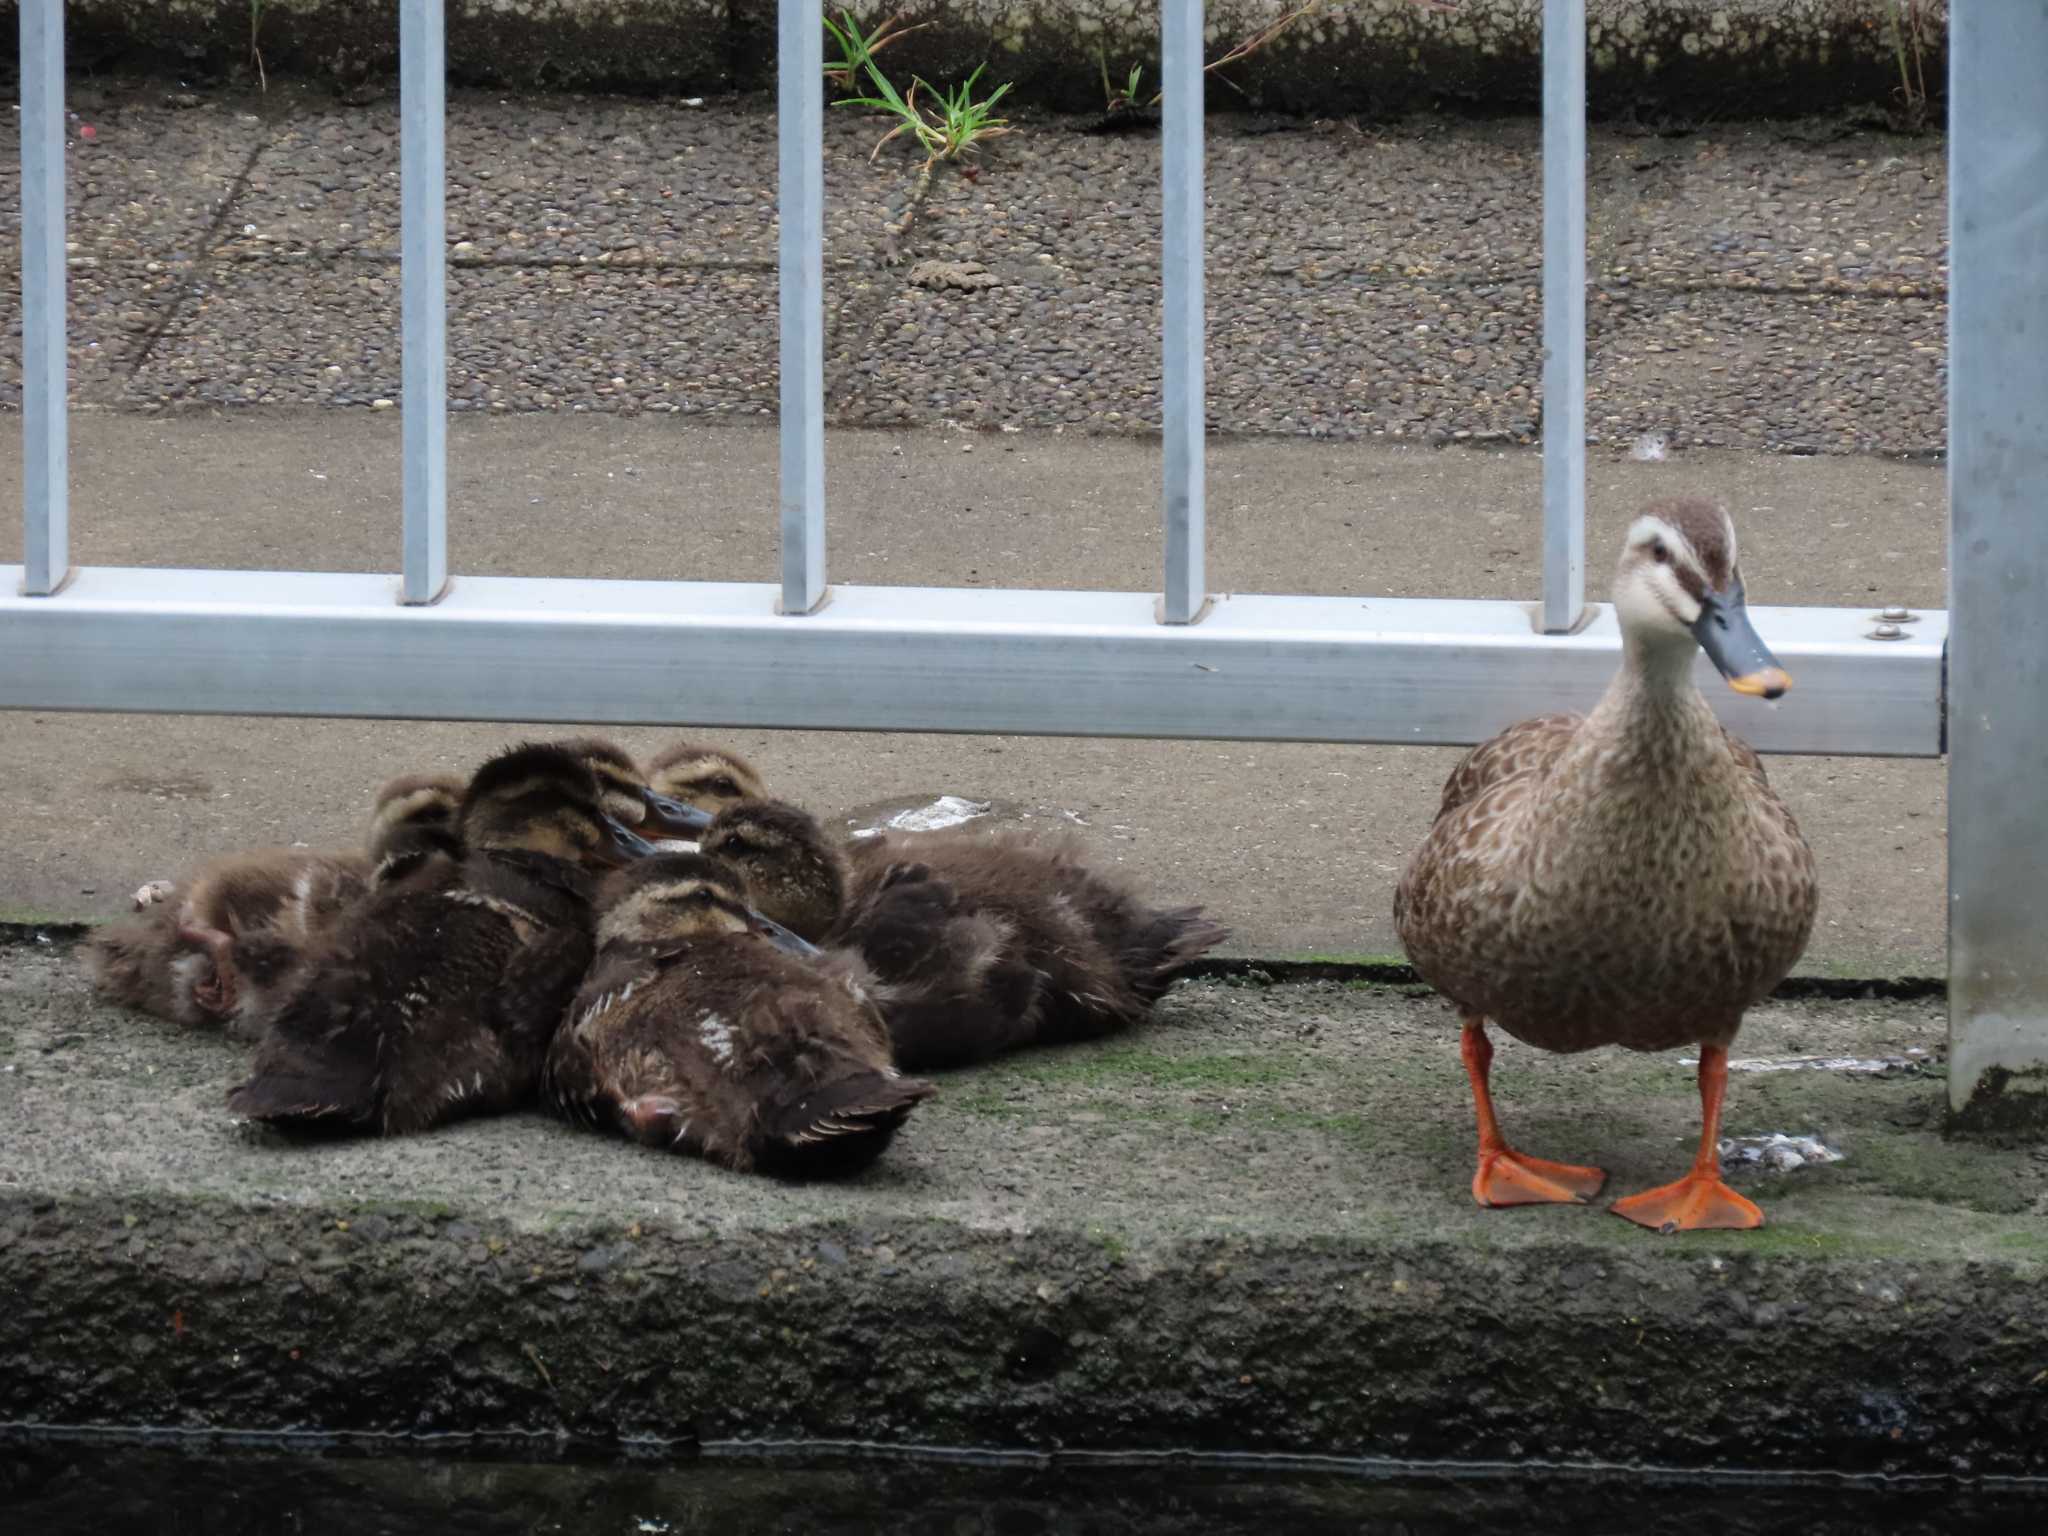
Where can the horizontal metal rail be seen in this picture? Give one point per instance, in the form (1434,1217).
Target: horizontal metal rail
(1413,671)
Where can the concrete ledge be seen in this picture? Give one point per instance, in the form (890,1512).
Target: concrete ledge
(1684,57)
(1243,1228)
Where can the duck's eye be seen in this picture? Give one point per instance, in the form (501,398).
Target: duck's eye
(724,786)
(735,845)
(1660,552)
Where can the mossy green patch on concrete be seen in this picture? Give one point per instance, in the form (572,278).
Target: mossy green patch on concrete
(1968,1175)
(14,915)
(1362,958)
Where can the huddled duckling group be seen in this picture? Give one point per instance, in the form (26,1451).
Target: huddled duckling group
(664,953)
(1627,877)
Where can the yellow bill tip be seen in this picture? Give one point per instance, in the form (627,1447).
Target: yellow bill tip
(1765,683)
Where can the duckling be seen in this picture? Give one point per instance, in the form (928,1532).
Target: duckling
(628,794)
(695,1032)
(980,944)
(175,958)
(707,777)
(414,820)
(1627,877)
(437,998)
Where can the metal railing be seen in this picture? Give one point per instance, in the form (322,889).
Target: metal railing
(1181,661)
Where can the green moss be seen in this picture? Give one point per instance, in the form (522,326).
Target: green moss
(44,917)
(1344,957)
(1791,1240)
(2027,1244)
(1083,1066)
(1955,1173)
(1114,1244)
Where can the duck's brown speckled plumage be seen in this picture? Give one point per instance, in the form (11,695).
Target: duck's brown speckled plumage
(706,776)
(414,820)
(439,996)
(979,943)
(1627,877)
(167,959)
(695,1034)
(1100,956)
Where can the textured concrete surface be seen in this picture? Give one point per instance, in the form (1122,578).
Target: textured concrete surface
(1244,1226)
(1675,55)
(1297,847)
(1781,288)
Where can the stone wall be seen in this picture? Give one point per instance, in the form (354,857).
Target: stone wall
(1669,57)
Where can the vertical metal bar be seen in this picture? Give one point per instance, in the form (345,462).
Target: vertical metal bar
(800,200)
(1180,71)
(1564,314)
(423,121)
(1998,562)
(46,451)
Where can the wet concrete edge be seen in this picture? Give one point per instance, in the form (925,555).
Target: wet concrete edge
(195,1315)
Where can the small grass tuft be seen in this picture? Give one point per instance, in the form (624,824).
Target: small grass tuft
(1906,22)
(1119,98)
(256,44)
(951,124)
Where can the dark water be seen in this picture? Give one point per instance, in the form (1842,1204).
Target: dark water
(50,1488)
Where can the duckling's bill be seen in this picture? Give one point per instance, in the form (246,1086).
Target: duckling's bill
(671,817)
(1735,648)
(626,844)
(781,937)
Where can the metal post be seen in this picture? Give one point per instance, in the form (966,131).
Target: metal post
(46,452)
(1998,562)
(1180,70)
(422,92)
(800,181)
(1564,314)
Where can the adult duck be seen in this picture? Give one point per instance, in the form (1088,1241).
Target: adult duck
(1627,877)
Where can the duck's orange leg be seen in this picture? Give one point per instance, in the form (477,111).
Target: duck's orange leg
(1505,1176)
(1699,1200)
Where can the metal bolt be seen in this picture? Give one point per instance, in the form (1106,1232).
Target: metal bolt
(1887,632)
(1897,615)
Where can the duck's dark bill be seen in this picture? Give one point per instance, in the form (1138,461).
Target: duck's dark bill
(781,937)
(672,818)
(627,843)
(1735,648)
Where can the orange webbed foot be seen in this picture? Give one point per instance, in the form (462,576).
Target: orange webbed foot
(1507,1177)
(1696,1203)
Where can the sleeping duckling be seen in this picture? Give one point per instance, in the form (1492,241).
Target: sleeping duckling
(707,777)
(437,998)
(981,944)
(179,960)
(630,797)
(695,1031)
(256,969)
(420,821)
(414,820)
(174,958)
